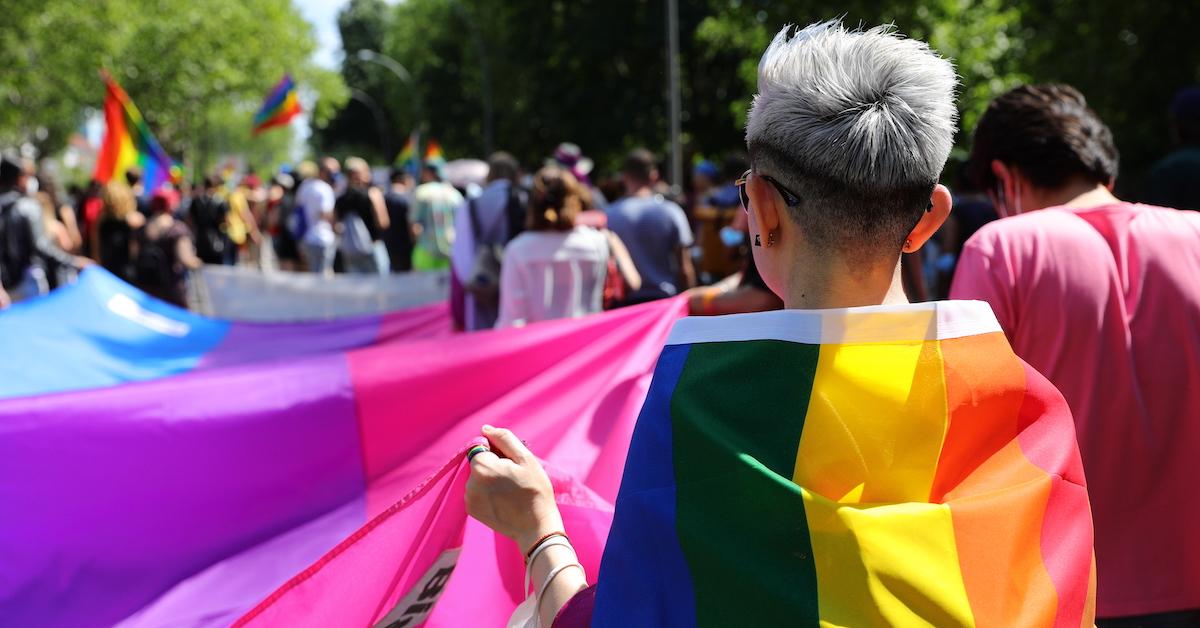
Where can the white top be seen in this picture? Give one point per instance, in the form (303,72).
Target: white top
(548,275)
(317,199)
(907,322)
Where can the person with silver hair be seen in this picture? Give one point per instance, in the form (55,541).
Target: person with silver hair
(722,518)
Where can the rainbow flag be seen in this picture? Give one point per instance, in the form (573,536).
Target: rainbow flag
(407,159)
(893,465)
(128,142)
(280,106)
(434,154)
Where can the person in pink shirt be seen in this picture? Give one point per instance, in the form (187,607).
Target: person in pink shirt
(1103,297)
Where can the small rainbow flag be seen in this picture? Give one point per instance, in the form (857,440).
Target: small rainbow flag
(128,142)
(280,106)
(407,159)
(879,466)
(434,154)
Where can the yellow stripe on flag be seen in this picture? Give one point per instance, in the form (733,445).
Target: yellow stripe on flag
(891,565)
(876,418)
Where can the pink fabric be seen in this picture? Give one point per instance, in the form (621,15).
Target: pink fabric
(1105,302)
(573,396)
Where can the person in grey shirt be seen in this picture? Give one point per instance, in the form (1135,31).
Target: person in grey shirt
(25,246)
(655,230)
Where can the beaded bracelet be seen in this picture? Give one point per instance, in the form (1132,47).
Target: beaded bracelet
(543,539)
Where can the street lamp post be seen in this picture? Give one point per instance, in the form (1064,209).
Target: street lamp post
(402,73)
(385,136)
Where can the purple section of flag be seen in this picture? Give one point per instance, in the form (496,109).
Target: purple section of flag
(110,497)
(261,342)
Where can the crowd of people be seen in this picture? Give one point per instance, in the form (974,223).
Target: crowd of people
(1100,295)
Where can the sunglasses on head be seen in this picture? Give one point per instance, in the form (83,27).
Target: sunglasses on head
(790,198)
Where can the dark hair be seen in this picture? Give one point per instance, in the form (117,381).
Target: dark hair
(212,182)
(502,165)
(555,201)
(10,172)
(639,165)
(133,176)
(1046,131)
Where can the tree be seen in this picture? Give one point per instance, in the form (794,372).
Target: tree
(188,66)
(356,128)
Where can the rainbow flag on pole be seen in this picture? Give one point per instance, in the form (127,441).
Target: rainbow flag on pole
(893,465)
(280,106)
(434,154)
(128,142)
(407,159)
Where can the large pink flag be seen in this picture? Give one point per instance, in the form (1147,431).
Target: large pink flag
(326,490)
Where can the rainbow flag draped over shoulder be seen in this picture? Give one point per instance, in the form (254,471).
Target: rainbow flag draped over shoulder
(280,106)
(893,465)
(128,142)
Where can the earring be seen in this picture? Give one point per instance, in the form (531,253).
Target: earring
(757,242)
(908,244)
(771,238)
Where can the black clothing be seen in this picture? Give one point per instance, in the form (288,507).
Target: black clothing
(398,236)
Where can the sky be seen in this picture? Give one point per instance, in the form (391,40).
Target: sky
(322,14)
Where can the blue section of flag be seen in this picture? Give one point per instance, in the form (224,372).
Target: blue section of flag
(98,332)
(628,595)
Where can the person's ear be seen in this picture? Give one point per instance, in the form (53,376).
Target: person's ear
(766,211)
(1004,197)
(939,209)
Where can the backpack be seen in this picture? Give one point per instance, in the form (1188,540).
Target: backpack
(154,268)
(356,238)
(16,241)
(208,216)
(484,281)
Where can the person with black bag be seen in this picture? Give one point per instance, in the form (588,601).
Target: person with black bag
(207,218)
(488,223)
(25,248)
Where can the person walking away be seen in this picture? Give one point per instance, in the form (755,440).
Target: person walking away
(316,199)
(554,269)
(112,235)
(655,230)
(398,237)
(483,226)
(25,245)
(1103,297)
(241,224)
(434,204)
(853,459)
(280,205)
(361,212)
(165,252)
(57,273)
(207,213)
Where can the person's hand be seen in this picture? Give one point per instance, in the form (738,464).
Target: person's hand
(5,300)
(82,262)
(509,491)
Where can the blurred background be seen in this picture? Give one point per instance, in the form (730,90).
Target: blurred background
(524,75)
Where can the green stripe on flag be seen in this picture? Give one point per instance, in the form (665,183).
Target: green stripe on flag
(736,416)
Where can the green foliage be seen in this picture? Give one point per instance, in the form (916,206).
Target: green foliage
(196,69)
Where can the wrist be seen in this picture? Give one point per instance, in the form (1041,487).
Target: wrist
(546,525)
